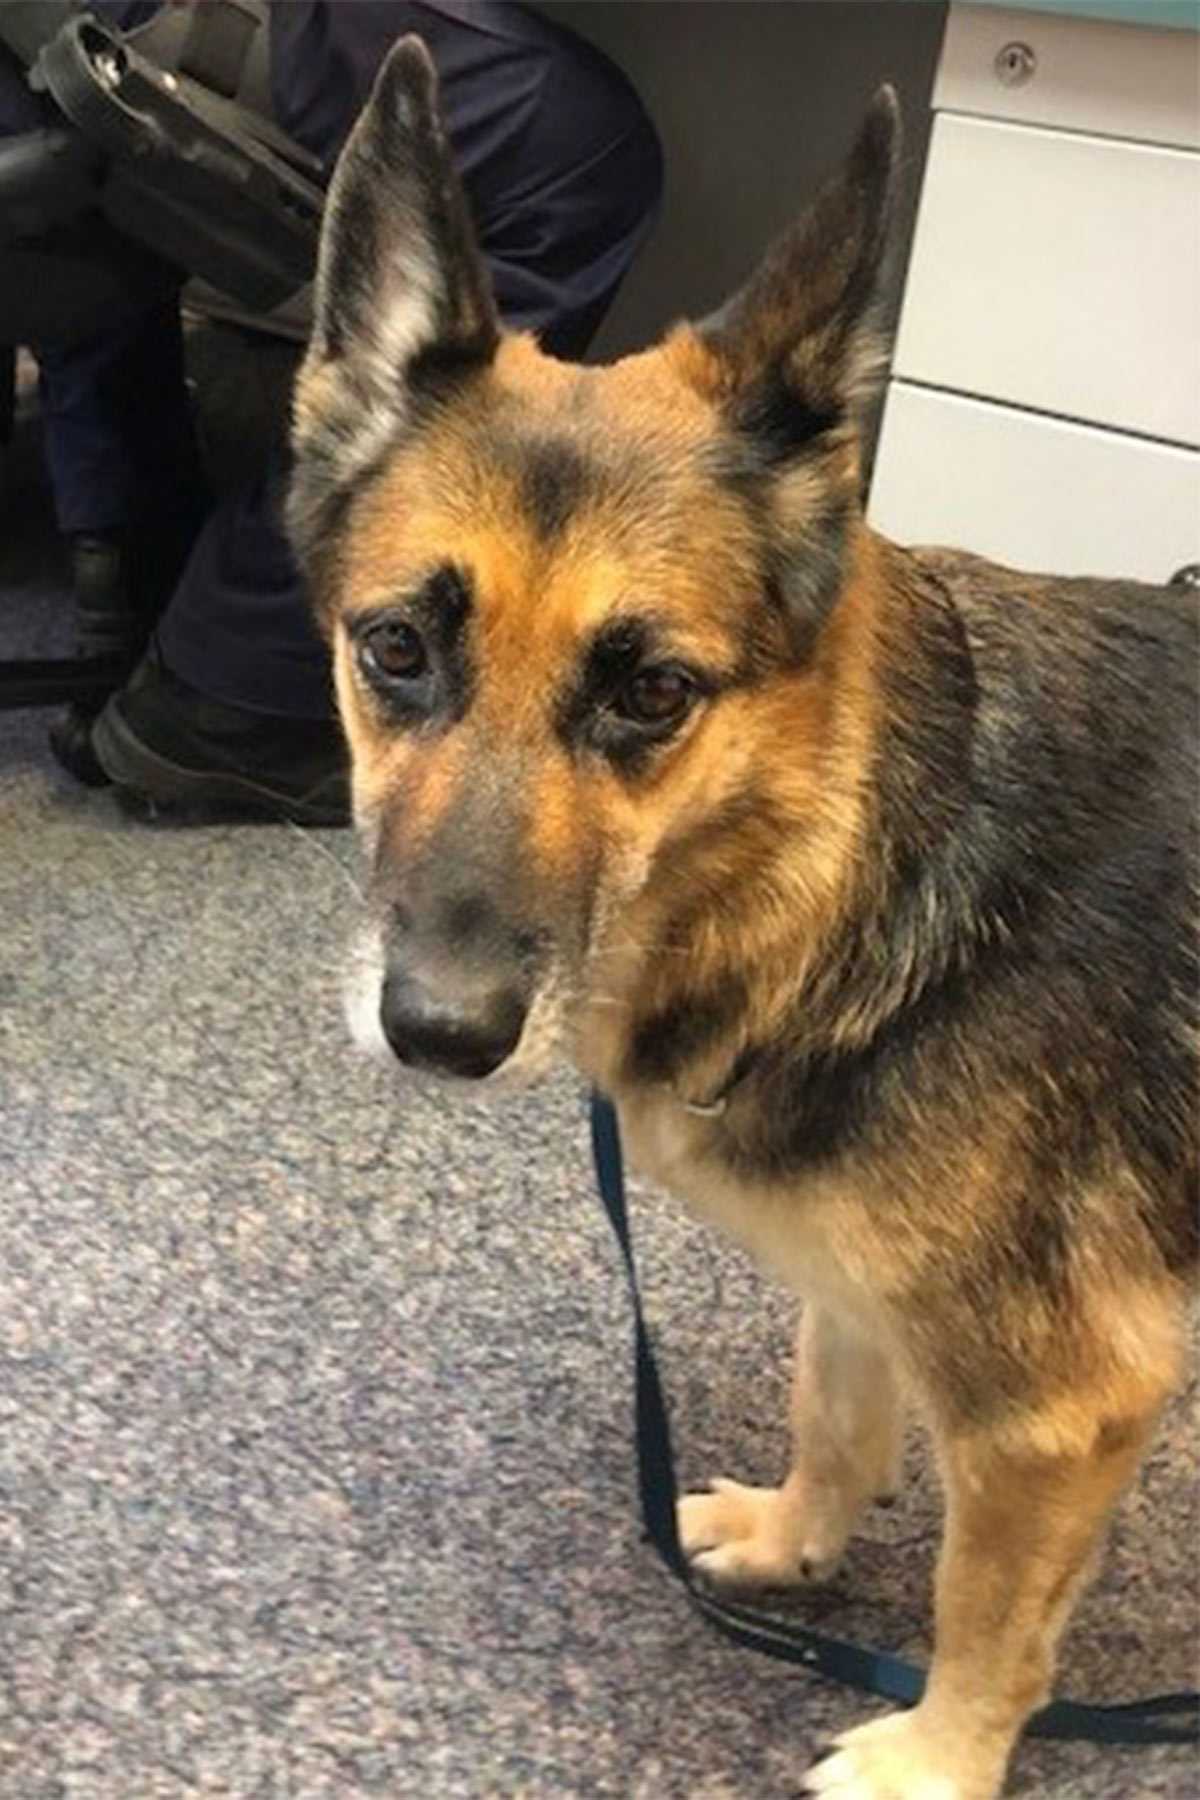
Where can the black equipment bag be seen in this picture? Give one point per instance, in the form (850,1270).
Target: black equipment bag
(209,185)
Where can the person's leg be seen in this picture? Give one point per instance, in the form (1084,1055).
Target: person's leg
(129,491)
(120,444)
(563,171)
(563,195)
(120,454)
(277,747)
(560,161)
(128,487)
(118,434)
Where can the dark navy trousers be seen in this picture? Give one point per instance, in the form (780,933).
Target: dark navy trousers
(563,172)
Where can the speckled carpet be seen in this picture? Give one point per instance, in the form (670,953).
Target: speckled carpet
(315,1462)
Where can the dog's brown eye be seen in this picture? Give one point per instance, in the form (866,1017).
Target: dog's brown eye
(395,651)
(657,696)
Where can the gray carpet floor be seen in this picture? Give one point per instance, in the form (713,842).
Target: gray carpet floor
(315,1459)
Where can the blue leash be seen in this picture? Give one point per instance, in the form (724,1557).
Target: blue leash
(1165,1719)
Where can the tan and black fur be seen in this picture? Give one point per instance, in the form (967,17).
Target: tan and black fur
(862,878)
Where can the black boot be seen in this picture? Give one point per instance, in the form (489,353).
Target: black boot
(167,744)
(104,629)
(121,582)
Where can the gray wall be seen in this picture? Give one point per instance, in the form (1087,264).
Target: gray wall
(755,101)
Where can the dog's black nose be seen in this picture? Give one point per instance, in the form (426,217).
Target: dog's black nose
(450,1036)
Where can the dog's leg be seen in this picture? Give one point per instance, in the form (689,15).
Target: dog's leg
(1022,1530)
(847,1431)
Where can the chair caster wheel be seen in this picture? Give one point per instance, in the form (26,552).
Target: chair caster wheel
(71,744)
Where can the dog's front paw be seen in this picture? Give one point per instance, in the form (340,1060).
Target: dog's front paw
(901,1757)
(756,1537)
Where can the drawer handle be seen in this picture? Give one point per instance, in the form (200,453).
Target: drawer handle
(1015,65)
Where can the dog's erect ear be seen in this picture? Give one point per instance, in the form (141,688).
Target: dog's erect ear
(401,296)
(792,355)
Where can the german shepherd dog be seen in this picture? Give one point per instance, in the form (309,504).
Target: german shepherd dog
(860,877)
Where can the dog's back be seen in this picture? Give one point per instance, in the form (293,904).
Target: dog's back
(1080,830)
(1019,941)
(1085,765)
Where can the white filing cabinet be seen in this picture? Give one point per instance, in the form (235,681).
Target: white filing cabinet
(1044,402)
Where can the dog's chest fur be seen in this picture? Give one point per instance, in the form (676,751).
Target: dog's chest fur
(809,1232)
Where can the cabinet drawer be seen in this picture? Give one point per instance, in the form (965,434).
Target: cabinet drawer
(1087,74)
(1060,272)
(1034,492)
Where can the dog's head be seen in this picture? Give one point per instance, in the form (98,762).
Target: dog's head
(577,614)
